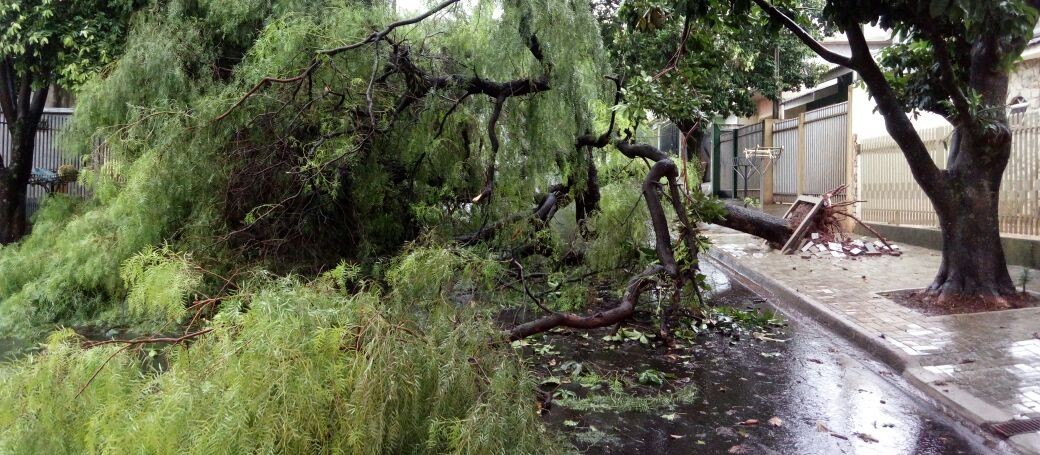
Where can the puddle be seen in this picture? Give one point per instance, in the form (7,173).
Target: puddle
(819,400)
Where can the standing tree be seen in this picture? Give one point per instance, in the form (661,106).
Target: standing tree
(952,57)
(693,62)
(44,42)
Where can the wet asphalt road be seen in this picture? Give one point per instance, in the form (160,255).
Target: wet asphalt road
(827,396)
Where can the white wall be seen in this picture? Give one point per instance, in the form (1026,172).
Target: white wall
(869,124)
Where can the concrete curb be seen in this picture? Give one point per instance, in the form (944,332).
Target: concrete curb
(952,399)
(871,342)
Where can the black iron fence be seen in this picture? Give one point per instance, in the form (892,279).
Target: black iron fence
(49,155)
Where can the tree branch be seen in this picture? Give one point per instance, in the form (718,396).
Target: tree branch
(804,36)
(24,96)
(622,311)
(489,182)
(7,92)
(39,102)
(946,75)
(897,122)
(379,35)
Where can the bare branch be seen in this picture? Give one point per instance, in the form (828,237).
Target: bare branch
(619,313)
(378,36)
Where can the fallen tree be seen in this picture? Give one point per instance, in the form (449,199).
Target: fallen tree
(757,223)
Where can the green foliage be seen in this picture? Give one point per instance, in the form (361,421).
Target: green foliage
(62,41)
(160,282)
(627,334)
(306,369)
(650,376)
(623,402)
(693,61)
(432,275)
(290,180)
(619,229)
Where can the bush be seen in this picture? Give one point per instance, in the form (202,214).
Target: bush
(306,369)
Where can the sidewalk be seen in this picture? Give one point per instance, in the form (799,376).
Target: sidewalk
(983,367)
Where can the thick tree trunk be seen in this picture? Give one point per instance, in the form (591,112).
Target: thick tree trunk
(757,223)
(973,261)
(14,182)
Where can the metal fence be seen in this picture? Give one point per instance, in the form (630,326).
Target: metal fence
(893,197)
(785,169)
(732,143)
(727,176)
(48,153)
(814,159)
(826,145)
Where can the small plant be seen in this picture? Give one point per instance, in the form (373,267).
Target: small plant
(626,334)
(650,376)
(68,173)
(752,202)
(544,349)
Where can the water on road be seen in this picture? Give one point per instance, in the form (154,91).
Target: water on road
(802,390)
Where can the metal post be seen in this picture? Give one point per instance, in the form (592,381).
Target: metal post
(716,159)
(851,154)
(736,139)
(801,154)
(765,192)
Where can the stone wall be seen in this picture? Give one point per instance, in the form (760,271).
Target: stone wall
(1025,82)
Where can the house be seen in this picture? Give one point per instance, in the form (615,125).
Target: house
(834,88)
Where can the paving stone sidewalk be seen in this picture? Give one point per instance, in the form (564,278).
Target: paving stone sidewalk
(985,367)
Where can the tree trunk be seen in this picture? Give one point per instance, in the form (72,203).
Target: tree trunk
(973,261)
(14,182)
(757,223)
(587,202)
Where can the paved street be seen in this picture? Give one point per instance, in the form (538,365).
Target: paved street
(984,367)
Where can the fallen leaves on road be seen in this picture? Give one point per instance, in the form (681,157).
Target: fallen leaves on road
(820,427)
(775,421)
(866,437)
(749,422)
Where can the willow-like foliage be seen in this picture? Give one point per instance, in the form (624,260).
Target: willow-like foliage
(306,174)
(208,218)
(289,367)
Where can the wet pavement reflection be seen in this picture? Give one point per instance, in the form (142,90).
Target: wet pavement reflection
(821,395)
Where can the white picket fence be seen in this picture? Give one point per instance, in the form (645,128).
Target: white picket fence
(893,197)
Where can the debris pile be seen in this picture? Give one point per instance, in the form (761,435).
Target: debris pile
(819,231)
(822,245)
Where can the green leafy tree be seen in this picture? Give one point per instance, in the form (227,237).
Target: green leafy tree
(44,42)
(694,61)
(953,58)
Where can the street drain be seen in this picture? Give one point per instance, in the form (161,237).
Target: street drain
(1013,427)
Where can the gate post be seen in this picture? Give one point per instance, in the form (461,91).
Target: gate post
(716,159)
(801,154)
(851,154)
(766,182)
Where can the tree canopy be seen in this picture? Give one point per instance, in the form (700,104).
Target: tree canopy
(692,62)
